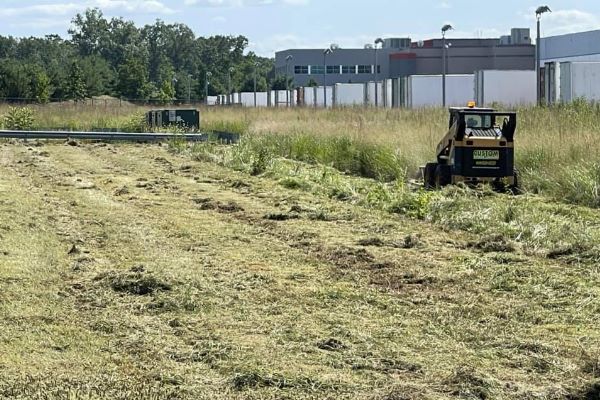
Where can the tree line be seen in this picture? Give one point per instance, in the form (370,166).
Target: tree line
(114,57)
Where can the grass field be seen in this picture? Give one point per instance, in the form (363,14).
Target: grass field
(281,269)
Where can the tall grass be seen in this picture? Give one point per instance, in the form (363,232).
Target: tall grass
(557,149)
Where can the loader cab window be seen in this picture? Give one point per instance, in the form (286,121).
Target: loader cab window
(479,121)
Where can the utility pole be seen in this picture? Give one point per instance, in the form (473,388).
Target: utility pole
(538,52)
(326,52)
(445,29)
(173,83)
(229,72)
(189,88)
(255,68)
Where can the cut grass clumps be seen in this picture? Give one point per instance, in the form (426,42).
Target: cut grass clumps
(466,383)
(134,282)
(257,379)
(294,183)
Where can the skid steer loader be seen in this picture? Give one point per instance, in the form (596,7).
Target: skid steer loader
(478,148)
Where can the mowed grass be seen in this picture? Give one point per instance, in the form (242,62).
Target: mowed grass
(132,272)
(299,264)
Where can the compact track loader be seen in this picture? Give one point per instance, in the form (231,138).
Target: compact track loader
(478,148)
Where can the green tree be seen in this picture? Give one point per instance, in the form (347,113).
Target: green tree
(76,83)
(167,92)
(133,79)
(282,82)
(89,32)
(41,87)
(99,76)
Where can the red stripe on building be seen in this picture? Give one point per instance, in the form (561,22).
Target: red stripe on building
(403,56)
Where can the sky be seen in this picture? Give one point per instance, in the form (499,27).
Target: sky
(273,25)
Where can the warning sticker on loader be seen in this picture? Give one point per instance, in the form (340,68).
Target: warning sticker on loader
(486,154)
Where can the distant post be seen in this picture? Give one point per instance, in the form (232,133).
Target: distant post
(208,75)
(376,71)
(287,78)
(256,64)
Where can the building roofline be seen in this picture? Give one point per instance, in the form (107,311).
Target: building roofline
(571,34)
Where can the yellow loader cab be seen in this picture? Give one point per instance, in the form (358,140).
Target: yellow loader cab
(478,148)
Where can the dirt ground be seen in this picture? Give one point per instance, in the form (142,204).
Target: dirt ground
(128,271)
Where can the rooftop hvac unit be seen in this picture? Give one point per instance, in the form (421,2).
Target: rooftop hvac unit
(520,36)
(397,43)
(505,40)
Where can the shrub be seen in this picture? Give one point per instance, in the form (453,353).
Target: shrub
(19,119)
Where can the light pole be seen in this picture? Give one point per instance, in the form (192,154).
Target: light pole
(287,79)
(538,52)
(326,52)
(445,29)
(189,88)
(376,71)
(229,72)
(173,83)
(256,64)
(208,75)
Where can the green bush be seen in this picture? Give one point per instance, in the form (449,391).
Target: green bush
(19,119)
(135,124)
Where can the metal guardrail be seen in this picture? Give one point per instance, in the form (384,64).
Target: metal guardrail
(121,136)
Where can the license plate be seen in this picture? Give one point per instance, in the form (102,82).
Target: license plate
(486,154)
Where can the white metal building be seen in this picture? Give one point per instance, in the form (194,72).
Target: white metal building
(581,46)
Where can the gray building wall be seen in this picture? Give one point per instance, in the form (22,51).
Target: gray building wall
(340,57)
(465,56)
(582,46)
(468,57)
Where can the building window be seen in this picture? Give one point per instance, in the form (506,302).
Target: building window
(333,69)
(379,69)
(317,70)
(301,69)
(365,69)
(348,69)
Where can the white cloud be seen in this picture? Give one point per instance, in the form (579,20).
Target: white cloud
(219,19)
(243,3)
(269,45)
(45,9)
(144,6)
(565,21)
(70,8)
(444,5)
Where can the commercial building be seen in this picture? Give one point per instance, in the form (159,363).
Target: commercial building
(401,57)
(570,68)
(581,46)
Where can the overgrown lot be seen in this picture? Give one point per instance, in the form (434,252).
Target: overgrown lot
(283,269)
